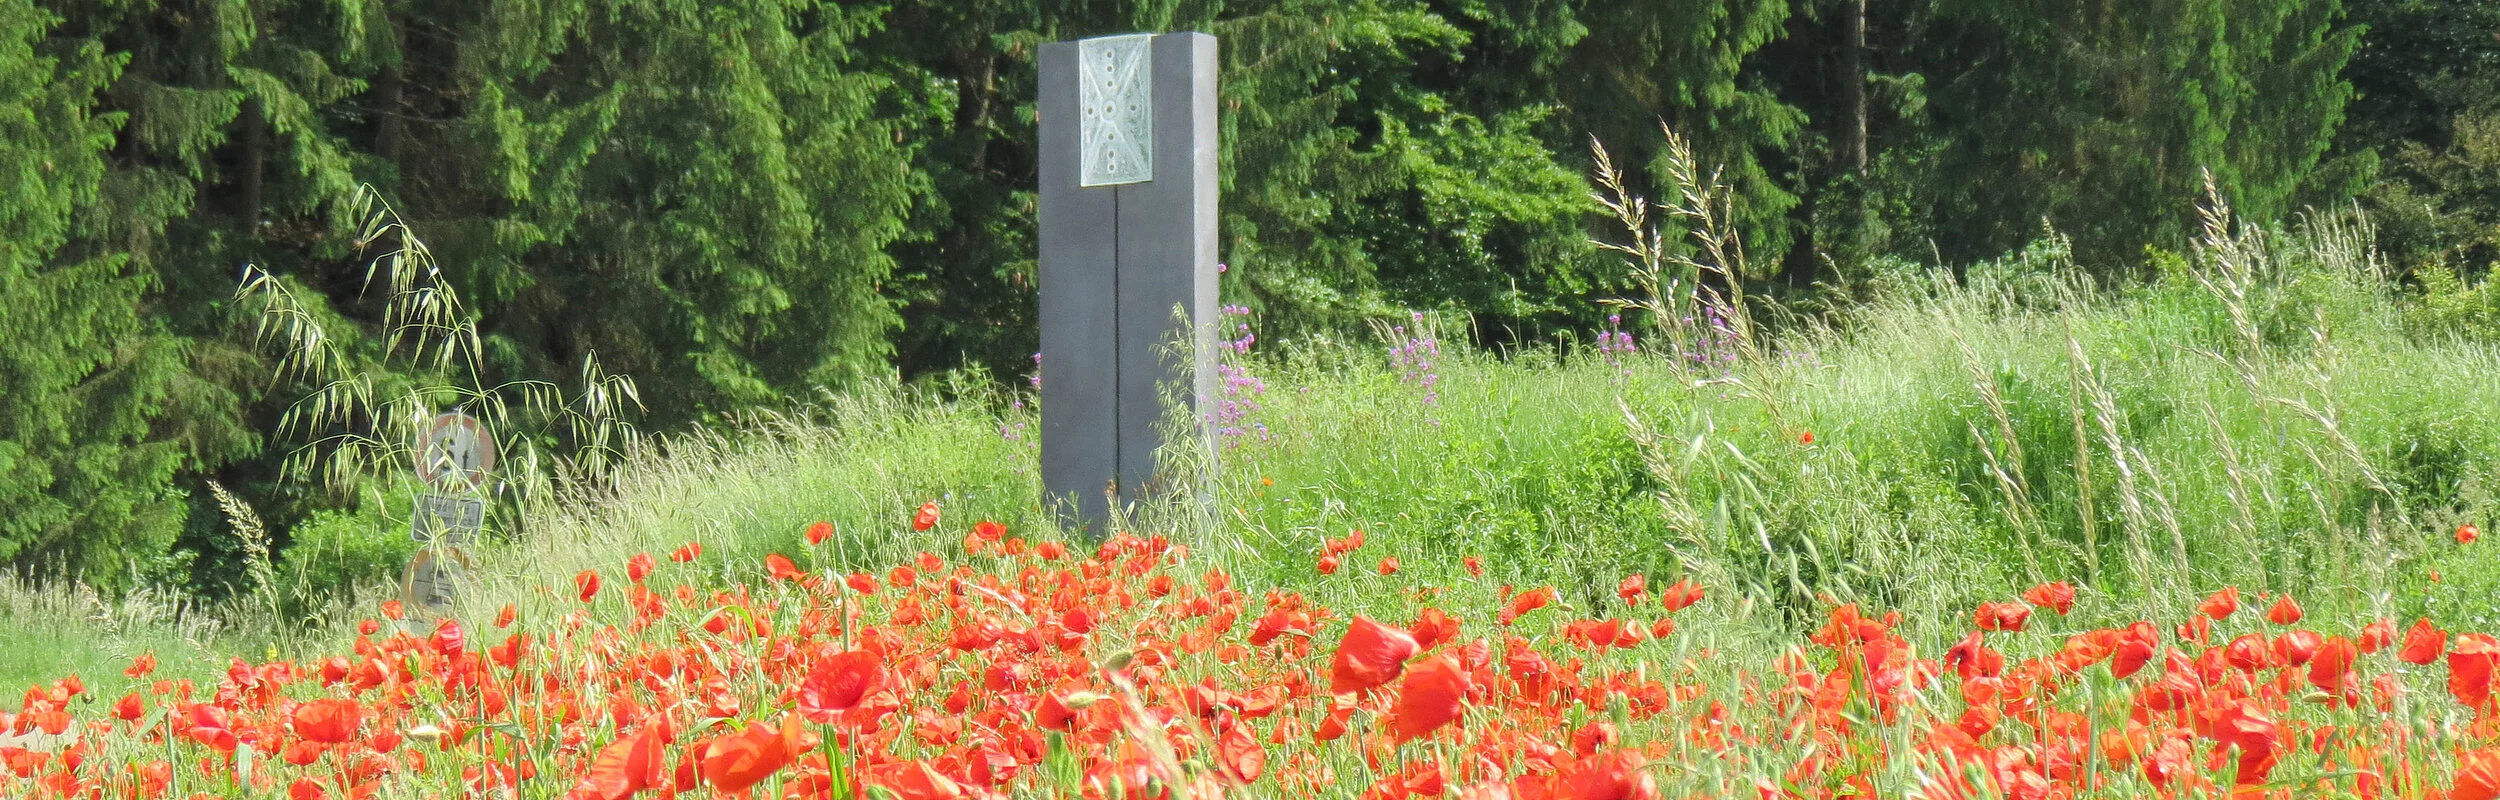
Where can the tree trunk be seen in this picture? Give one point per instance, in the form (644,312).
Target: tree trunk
(247,184)
(388,90)
(972,109)
(1854,90)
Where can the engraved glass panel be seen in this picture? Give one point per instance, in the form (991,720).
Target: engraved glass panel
(1117,126)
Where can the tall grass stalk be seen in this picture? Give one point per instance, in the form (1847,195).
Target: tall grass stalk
(1961,431)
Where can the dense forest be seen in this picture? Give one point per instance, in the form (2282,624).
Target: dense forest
(740,204)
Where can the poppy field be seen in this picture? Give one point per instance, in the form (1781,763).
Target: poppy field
(1034,669)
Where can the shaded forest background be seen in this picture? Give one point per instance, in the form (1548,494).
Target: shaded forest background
(741,204)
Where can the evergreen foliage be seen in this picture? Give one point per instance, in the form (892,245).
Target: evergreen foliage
(740,204)
(91,436)
(2428,80)
(2099,119)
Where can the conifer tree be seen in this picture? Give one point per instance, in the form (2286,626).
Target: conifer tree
(2101,117)
(1684,62)
(84,477)
(700,194)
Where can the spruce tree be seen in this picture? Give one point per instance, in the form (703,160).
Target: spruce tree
(1685,63)
(2102,117)
(84,477)
(701,195)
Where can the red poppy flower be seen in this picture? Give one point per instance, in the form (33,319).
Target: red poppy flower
(781,568)
(926,518)
(1680,596)
(306,789)
(2470,666)
(588,582)
(1389,566)
(2198,629)
(140,667)
(2135,647)
(2286,611)
(2378,635)
(639,567)
(689,552)
(625,767)
(2295,648)
(2467,533)
(1328,564)
(1340,715)
(1372,654)
(1971,658)
(2058,597)
(861,582)
(1612,775)
(1433,627)
(129,708)
(2331,668)
(839,683)
(208,725)
(449,639)
(1053,714)
(1527,601)
(1996,616)
(302,753)
(1593,737)
(2478,775)
(916,780)
(505,617)
(2247,653)
(1429,698)
(2259,739)
(513,649)
(1278,622)
(743,759)
(1475,566)
(1241,754)
(328,720)
(1805,437)
(989,531)
(2423,643)
(1632,588)
(818,532)
(2219,605)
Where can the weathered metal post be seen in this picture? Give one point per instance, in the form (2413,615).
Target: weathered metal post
(1127,207)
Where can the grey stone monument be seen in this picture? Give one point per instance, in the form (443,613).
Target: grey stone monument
(1128,285)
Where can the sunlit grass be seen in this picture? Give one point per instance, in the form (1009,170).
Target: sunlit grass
(2291,435)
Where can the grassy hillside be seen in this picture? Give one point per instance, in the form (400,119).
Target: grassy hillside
(2265,412)
(2262,448)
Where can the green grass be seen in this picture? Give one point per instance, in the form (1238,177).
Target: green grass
(2326,448)
(57,630)
(2283,422)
